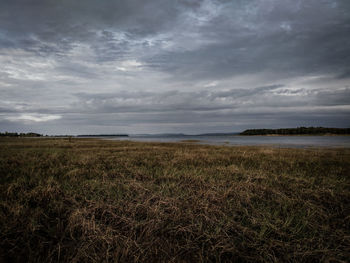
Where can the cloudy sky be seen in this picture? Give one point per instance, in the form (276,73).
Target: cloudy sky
(158,66)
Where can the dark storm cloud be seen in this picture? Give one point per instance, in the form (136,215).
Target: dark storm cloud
(337,97)
(344,75)
(290,37)
(161,64)
(239,37)
(49,27)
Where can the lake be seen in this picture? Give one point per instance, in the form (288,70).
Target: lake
(275,141)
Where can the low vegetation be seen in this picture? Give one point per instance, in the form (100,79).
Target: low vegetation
(88,200)
(297,131)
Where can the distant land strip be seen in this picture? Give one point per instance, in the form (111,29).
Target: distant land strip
(298,131)
(33,134)
(15,134)
(104,135)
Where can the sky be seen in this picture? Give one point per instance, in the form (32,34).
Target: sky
(173,66)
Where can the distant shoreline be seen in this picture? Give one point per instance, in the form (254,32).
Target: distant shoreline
(300,131)
(283,135)
(314,131)
(104,135)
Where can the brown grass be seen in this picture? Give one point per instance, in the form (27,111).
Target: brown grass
(87,200)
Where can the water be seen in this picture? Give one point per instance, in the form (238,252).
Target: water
(275,141)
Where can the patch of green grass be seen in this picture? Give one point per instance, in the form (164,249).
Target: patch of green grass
(87,200)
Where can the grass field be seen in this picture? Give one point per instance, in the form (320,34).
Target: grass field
(86,200)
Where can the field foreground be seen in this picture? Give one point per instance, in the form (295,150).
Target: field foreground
(87,200)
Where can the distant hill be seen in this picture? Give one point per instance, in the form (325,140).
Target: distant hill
(297,131)
(218,134)
(103,135)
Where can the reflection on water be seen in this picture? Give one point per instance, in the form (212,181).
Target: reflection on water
(277,141)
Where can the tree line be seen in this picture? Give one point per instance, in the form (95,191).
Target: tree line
(297,131)
(15,134)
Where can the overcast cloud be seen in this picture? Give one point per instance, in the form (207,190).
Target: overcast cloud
(86,66)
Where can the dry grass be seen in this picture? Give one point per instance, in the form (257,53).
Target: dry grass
(86,200)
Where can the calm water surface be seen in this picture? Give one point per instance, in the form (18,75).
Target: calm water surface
(276,141)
